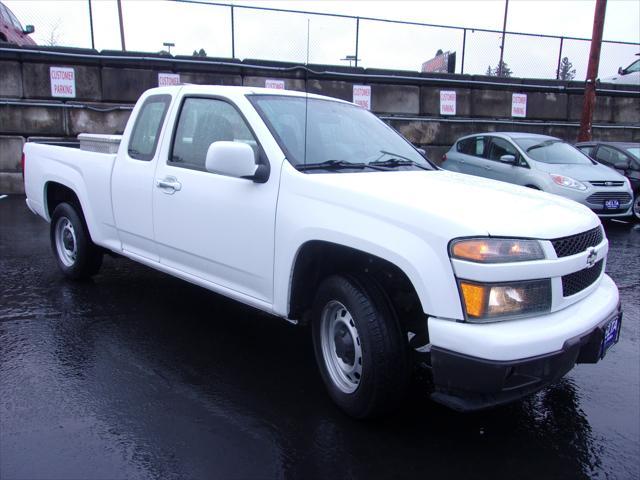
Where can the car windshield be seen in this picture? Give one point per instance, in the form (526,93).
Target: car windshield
(339,136)
(634,67)
(552,151)
(633,151)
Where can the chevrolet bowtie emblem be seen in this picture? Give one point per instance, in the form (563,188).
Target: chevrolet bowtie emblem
(591,258)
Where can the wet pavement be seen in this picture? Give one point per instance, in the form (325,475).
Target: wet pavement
(139,375)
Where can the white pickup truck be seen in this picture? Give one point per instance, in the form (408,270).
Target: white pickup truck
(314,210)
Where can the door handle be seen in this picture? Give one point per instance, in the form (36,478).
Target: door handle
(169,185)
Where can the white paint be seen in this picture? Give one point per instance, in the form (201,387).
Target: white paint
(362,96)
(3,196)
(168,79)
(274,83)
(447,102)
(519,105)
(63,82)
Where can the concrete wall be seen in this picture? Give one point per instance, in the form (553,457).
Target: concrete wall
(107,86)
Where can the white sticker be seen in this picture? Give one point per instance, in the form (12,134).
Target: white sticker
(63,82)
(274,83)
(362,96)
(447,102)
(168,79)
(519,105)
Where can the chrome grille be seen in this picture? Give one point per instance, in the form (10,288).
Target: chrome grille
(578,281)
(601,197)
(567,246)
(607,183)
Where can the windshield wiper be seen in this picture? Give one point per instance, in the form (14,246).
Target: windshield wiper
(330,165)
(546,143)
(398,162)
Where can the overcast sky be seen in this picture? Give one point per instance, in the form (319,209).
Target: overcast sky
(282,36)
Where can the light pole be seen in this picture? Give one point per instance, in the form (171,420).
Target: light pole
(169,45)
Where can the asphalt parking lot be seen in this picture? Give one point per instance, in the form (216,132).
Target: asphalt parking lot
(140,375)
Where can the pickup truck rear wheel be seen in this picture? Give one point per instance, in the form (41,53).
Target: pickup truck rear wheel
(77,256)
(359,346)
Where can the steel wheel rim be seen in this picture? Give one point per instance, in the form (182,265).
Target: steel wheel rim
(341,346)
(636,207)
(66,241)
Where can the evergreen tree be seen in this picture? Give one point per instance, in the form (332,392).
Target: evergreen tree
(566,71)
(495,72)
(199,53)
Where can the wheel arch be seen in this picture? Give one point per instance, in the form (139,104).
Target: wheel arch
(318,259)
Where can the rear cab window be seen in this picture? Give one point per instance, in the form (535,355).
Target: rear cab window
(146,131)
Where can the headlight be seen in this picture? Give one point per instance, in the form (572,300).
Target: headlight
(486,302)
(567,182)
(496,250)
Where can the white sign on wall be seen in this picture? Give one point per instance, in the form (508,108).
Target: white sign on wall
(63,82)
(519,105)
(274,83)
(168,79)
(362,96)
(447,102)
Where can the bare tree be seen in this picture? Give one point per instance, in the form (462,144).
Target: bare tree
(54,38)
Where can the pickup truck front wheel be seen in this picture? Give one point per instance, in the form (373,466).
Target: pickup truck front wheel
(77,256)
(359,346)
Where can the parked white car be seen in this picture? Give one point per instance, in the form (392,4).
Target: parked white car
(339,222)
(629,75)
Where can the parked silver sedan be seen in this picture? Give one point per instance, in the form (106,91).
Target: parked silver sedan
(544,163)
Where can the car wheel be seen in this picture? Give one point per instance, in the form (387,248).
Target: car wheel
(77,256)
(636,207)
(359,346)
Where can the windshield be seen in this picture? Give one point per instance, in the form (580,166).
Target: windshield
(634,67)
(552,151)
(339,135)
(634,151)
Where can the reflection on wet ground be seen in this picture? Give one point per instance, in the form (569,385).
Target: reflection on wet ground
(139,375)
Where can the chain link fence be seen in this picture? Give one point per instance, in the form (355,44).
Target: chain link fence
(199,27)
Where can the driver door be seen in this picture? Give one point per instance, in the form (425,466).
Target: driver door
(217,228)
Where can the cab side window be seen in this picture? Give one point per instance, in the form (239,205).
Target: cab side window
(472,146)
(500,147)
(202,122)
(146,130)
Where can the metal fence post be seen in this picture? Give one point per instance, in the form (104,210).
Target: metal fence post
(357,35)
(93,43)
(464,45)
(559,58)
(124,47)
(233,36)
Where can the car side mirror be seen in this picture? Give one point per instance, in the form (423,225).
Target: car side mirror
(624,165)
(620,71)
(422,152)
(29,29)
(235,159)
(511,159)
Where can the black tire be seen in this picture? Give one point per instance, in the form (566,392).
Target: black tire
(385,366)
(636,207)
(76,255)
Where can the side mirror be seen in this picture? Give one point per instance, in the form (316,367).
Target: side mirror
(235,159)
(29,29)
(624,165)
(620,71)
(508,159)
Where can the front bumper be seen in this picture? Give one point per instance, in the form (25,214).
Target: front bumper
(465,383)
(597,206)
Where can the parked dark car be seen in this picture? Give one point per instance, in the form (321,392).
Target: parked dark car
(11,30)
(621,156)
